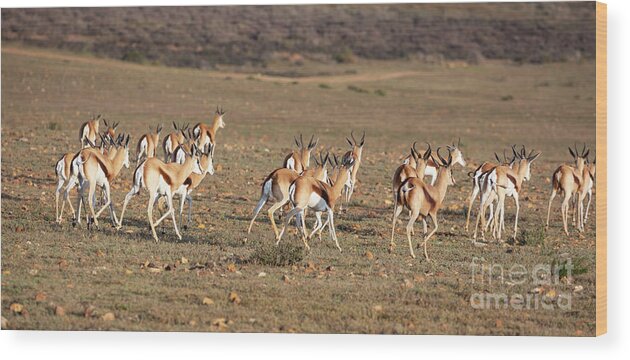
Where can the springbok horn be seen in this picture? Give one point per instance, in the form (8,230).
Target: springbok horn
(362,138)
(497,157)
(352,136)
(583,149)
(440,156)
(301,141)
(296,141)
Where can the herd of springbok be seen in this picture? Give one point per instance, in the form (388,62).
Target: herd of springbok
(297,187)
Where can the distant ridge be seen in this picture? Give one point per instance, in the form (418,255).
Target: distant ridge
(204,36)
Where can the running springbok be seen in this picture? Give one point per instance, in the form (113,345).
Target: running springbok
(475,175)
(415,165)
(275,189)
(422,199)
(89,130)
(148,144)
(206,134)
(163,179)
(91,168)
(300,159)
(307,192)
(571,181)
(355,153)
(172,140)
(503,181)
(458,158)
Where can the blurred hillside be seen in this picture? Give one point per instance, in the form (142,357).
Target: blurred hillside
(255,35)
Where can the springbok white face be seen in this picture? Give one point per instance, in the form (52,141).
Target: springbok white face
(456,153)
(527,160)
(580,158)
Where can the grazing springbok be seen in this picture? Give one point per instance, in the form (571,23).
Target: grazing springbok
(458,158)
(206,134)
(422,200)
(355,153)
(502,181)
(475,175)
(319,196)
(160,178)
(300,159)
(91,168)
(148,144)
(172,140)
(89,130)
(110,130)
(275,189)
(572,182)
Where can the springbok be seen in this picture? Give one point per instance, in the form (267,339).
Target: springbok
(300,159)
(307,192)
(193,181)
(503,181)
(91,168)
(110,129)
(458,158)
(89,130)
(475,175)
(172,140)
(148,144)
(355,153)
(275,189)
(160,178)
(64,165)
(422,199)
(206,134)
(588,188)
(571,181)
(411,168)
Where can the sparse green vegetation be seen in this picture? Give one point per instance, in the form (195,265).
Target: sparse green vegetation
(281,255)
(357,89)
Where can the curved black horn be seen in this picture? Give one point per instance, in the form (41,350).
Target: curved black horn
(497,157)
(362,139)
(583,149)
(440,156)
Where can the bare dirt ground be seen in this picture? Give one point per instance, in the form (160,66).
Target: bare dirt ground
(68,278)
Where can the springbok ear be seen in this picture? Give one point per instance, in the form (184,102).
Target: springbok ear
(586,153)
(159,128)
(105,122)
(314,144)
(297,143)
(571,152)
(349,142)
(116,125)
(496,156)
(127,142)
(362,139)
(174,126)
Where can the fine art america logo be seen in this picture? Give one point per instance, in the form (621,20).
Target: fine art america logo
(540,279)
